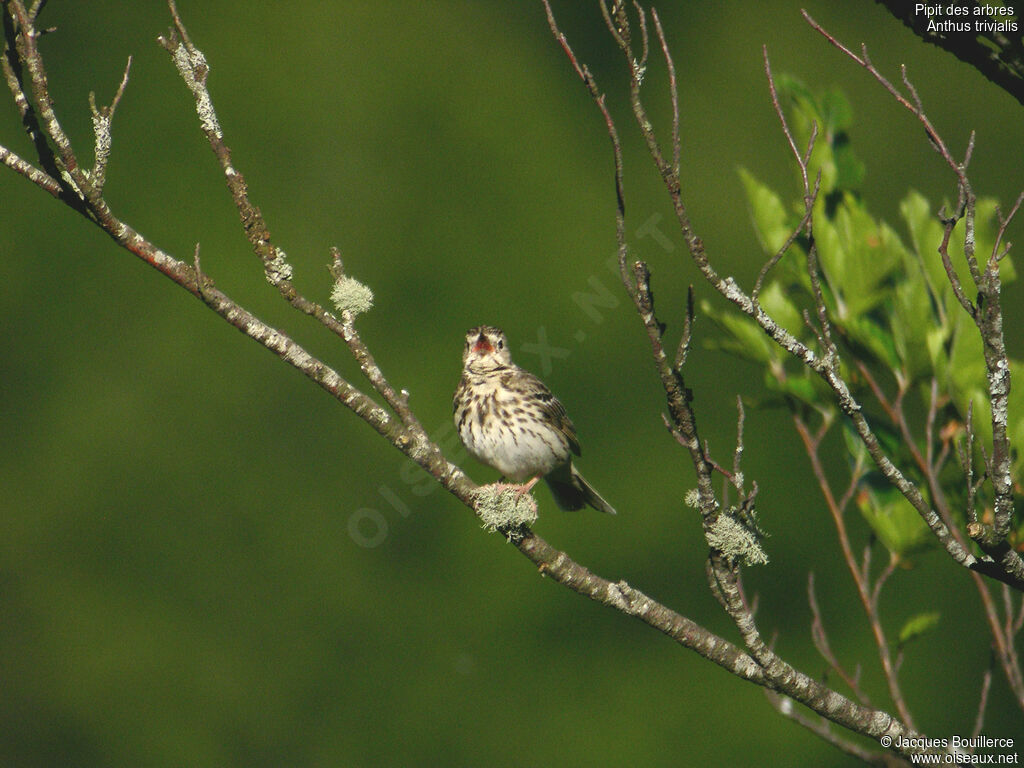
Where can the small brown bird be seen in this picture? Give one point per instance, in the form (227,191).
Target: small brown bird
(509,420)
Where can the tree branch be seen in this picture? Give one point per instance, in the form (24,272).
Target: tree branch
(404,433)
(997,56)
(1006,564)
(722,569)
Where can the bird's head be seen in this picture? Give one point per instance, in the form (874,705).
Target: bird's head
(486,348)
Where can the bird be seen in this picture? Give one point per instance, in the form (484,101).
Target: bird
(509,420)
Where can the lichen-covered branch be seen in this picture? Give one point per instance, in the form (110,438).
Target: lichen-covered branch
(1003,563)
(61,175)
(824,364)
(722,566)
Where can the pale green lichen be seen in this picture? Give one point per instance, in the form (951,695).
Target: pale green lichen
(277,268)
(502,509)
(189,62)
(692,498)
(101,129)
(349,295)
(736,541)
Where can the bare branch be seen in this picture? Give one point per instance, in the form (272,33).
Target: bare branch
(588,80)
(820,727)
(820,638)
(868,598)
(913,104)
(1004,222)
(101,124)
(25,43)
(30,172)
(986,685)
(63,177)
(673,89)
(951,274)
(987,316)
(722,571)
(825,366)
(684,342)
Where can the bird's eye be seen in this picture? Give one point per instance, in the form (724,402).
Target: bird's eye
(501,343)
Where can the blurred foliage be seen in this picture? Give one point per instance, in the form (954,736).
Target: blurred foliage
(917,626)
(186,569)
(891,308)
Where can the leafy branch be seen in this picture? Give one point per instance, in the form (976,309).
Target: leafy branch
(828,331)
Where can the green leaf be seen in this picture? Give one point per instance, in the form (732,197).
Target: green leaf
(743,336)
(801,102)
(896,523)
(850,170)
(889,301)
(913,319)
(873,337)
(859,256)
(801,386)
(768,213)
(918,626)
(838,117)
(836,111)
(855,447)
(926,237)
(776,303)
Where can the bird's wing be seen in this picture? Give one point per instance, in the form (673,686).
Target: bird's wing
(552,408)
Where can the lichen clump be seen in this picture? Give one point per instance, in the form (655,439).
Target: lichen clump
(736,541)
(502,509)
(349,295)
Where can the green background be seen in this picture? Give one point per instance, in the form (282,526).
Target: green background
(179,580)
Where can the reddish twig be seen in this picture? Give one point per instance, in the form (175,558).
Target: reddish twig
(820,638)
(868,595)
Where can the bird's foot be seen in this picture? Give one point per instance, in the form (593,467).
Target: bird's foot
(519,490)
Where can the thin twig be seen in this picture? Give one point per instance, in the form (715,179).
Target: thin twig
(588,80)
(820,638)
(102,118)
(684,343)
(868,598)
(552,562)
(673,89)
(821,728)
(737,456)
(915,107)
(986,685)
(194,70)
(997,253)
(42,180)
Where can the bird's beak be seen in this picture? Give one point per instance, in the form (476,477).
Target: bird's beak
(482,344)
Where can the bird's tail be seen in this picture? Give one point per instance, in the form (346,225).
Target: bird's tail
(572,491)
